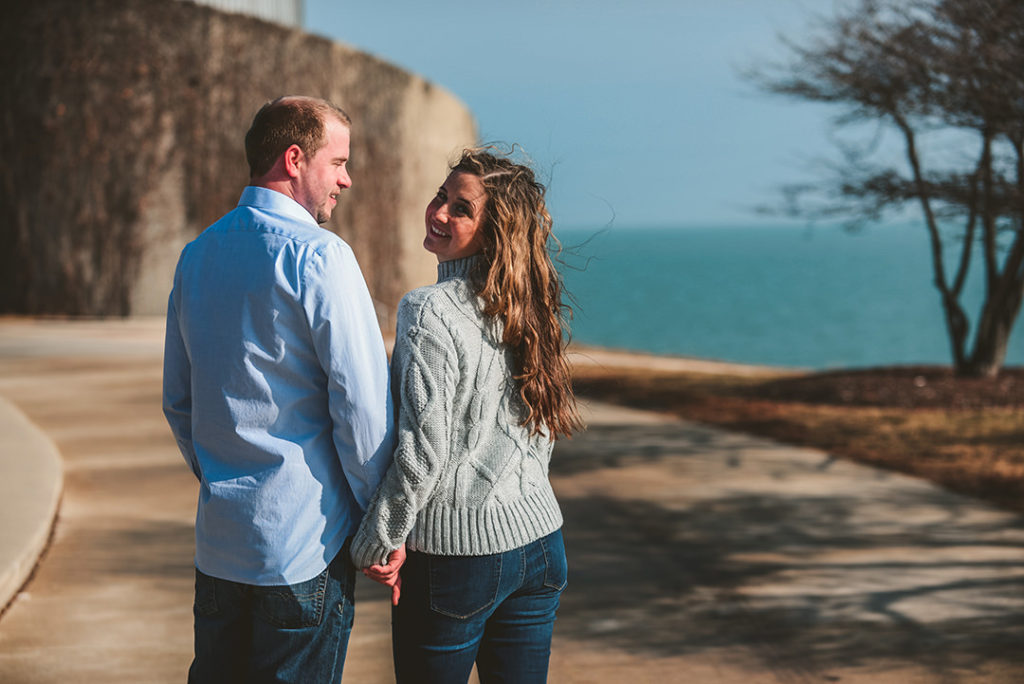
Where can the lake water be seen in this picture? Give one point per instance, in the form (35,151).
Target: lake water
(813,297)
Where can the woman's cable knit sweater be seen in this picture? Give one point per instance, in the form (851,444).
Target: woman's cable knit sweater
(467,478)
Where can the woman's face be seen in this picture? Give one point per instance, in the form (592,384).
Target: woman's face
(455,217)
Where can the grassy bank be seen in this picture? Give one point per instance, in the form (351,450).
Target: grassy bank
(964,434)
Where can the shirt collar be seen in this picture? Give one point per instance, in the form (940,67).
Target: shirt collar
(276,202)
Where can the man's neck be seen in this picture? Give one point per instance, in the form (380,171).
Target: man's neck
(282,186)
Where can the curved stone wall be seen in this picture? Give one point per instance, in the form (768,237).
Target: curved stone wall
(287,12)
(121,134)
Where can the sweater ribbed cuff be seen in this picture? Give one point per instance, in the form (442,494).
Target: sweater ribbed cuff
(367,551)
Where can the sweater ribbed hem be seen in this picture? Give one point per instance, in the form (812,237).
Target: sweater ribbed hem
(444,531)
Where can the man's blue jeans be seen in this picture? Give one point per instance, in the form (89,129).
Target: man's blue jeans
(496,610)
(288,633)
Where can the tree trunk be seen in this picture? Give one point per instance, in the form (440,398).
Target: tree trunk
(993,332)
(1002,305)
(957,325)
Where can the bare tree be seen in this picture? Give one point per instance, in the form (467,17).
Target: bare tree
(947,76)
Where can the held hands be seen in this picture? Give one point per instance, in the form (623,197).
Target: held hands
(388,574)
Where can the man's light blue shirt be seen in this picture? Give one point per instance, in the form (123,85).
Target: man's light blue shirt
(276,390)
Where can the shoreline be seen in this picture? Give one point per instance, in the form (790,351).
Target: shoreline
(613,357)
(610,357)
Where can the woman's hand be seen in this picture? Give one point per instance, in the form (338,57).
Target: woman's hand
(388,574)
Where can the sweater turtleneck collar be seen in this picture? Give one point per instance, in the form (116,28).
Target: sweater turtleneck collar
(457,268)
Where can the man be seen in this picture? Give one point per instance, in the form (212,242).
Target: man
(276,390)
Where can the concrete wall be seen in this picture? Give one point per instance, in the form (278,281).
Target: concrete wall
(121,127)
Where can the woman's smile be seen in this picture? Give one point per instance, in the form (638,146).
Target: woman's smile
(455,217)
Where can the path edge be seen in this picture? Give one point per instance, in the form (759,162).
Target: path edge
(31,485)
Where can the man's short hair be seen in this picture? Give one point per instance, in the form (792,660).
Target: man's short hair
(286,121)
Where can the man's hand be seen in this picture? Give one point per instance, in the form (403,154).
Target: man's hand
(388,574)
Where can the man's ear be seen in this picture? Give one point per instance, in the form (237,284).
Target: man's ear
(293,157)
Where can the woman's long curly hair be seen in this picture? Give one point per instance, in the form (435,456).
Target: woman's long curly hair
(518,283)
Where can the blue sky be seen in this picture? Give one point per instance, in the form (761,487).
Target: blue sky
(634,111)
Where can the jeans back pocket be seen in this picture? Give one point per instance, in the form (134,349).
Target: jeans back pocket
(205,603)
(556,572)
(462,586)
(292,606)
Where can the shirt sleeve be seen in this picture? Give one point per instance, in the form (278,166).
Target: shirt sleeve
(426,372)
(177,386)
(350,349)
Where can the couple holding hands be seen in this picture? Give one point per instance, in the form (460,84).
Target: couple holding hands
(314,461)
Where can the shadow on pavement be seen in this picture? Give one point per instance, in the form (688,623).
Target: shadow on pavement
(802,578)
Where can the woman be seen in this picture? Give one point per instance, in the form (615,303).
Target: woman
(483,389)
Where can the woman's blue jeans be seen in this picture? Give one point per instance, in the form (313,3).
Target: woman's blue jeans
(497,611)
(288,633)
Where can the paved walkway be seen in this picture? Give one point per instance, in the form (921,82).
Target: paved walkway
(696,556)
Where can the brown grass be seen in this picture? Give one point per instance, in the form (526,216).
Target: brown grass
(964,434)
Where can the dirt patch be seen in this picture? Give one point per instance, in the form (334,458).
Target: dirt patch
(904,387)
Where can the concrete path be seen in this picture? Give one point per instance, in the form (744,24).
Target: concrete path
(696,556)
